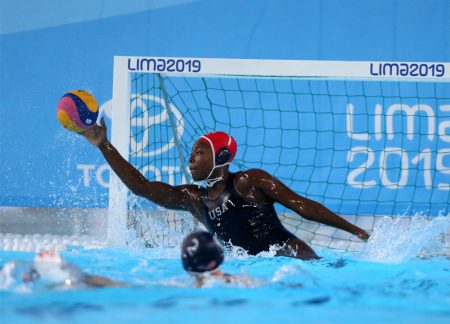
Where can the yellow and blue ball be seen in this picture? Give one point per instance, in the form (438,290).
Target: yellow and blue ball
(77,110)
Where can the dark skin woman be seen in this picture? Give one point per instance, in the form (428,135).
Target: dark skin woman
(236,207)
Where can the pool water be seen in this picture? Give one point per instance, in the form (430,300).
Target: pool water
(363,287)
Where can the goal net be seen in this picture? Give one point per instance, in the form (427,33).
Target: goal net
(365,139)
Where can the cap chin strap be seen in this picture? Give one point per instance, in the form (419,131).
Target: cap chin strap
(210,182)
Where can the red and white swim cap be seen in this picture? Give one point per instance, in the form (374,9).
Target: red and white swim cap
(223,146)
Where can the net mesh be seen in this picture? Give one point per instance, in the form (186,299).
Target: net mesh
(361,148)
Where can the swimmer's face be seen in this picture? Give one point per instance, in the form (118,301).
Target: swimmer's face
(200,161)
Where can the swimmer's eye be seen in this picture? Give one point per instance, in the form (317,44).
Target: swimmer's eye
(197,152)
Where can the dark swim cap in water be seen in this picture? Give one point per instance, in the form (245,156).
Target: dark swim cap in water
(200,252)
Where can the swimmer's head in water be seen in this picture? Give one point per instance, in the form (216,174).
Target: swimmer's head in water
(200,252)
(54,269)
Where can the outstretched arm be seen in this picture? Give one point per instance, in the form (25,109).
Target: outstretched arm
(275,190)
(163,194)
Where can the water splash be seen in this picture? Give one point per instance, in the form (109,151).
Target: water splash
(397,239)
(237,252)
(11,274)
(294,273)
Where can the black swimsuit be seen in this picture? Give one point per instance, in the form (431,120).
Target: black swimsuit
(252,226)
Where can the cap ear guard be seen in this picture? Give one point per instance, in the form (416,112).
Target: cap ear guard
(223,156)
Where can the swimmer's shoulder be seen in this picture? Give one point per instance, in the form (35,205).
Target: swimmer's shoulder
(251,175)
(251,179)
(190,191)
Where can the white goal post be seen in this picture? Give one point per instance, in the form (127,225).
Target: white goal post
(420,90)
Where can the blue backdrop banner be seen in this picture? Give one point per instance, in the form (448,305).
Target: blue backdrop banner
(72,47)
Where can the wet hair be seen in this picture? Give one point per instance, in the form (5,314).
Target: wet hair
(200,252)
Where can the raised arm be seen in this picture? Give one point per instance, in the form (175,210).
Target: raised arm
(275,190)
(163,194)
